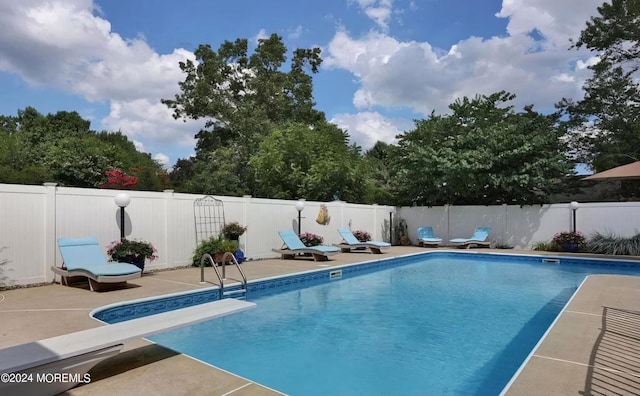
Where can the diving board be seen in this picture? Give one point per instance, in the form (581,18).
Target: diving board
(76,353)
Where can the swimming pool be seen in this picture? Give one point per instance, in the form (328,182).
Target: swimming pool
(448,324)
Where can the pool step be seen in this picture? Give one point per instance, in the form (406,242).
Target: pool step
(239,294)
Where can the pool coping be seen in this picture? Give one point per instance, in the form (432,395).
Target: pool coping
(542,339)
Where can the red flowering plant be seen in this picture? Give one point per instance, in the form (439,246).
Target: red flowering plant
(362,236)
(569,240)
(311,239)
(117,179)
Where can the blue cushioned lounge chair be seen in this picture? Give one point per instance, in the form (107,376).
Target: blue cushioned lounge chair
(82,257)
(349,241)
(426,237)
(479,239)
(293,246)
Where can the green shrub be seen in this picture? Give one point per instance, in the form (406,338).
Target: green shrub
(613,244)
(546,246)
(212,246)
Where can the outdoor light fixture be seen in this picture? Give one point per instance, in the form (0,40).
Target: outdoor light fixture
(299,208)
(122,200)
(574,205)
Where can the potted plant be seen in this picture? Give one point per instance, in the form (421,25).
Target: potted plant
(216,247)
(232,231)
(226,246)
(133,252)
(362,236)
(569,241)
(311,239)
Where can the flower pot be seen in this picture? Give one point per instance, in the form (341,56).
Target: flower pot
(570,247)
(217,258)
(138,261)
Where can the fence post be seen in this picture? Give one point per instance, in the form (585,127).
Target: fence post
(169,227)
(375,237)
(49,230)
(245,222)
(504,226)
(447,209)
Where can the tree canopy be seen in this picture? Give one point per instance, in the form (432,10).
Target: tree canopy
(62,148)
(604,126)
(243,98)
(299,161)
(482,153)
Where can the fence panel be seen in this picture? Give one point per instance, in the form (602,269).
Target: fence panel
(32,217)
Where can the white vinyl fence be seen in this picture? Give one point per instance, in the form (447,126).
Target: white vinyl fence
(521,227)
(33,217)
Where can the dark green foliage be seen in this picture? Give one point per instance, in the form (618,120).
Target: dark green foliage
(244,98)
(380,159)
(613,244)
(315,163)
(483,153)
(62,148)
(546,246)
(212,246)
(604,126)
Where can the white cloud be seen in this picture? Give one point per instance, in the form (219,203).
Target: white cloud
(412,74)
(64,45)
(366,128)
(262,35)
(162,159)
(138,145)
(556,20)
(157,125)
(295,33)
(377,10)
(580,65)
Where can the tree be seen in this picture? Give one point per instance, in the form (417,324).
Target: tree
(62,148)
(243,98)
(80,162)
(483,153)
(380,159)
(604,127)
(297,161)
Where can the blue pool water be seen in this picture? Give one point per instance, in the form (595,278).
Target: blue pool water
(436,327)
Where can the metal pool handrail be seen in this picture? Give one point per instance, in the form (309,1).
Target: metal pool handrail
(207,257)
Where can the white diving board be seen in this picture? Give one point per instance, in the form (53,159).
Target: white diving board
(76,353)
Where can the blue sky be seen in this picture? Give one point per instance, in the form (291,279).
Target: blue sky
(386,62)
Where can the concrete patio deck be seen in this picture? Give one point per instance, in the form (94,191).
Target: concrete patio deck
(593,348)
